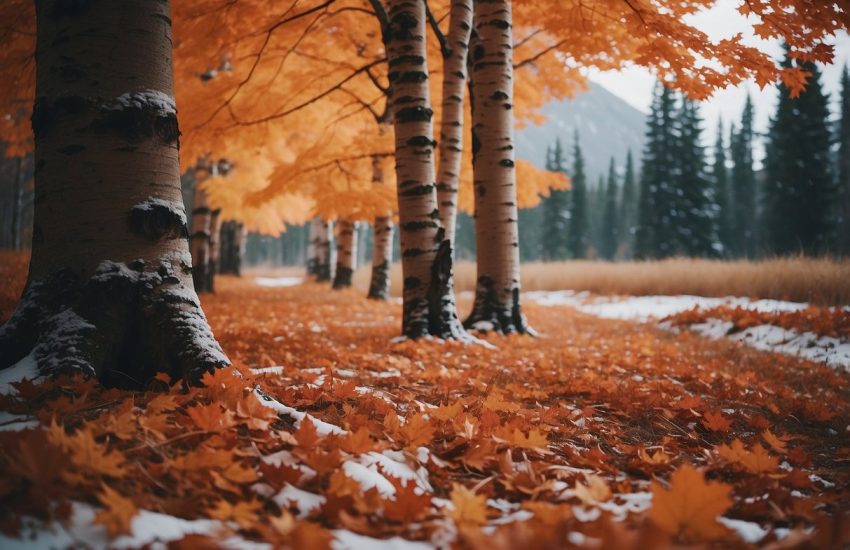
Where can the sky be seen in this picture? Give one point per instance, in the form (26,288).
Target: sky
(635,84)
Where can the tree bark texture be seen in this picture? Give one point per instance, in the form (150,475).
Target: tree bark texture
(346,254)
(451,125)
(313,240)
(109,290)
(215,248)
(324,261)
(428,297)
(497,295)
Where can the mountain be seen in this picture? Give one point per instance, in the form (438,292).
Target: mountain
(607,126)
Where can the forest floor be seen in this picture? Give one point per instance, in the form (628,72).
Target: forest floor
(599,433)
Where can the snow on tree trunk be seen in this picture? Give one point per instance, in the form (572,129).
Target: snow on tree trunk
(346,254)
(497,294)
(201,229)
(428,296)
(324,262)
(382,258)
(451,125)
(109,290)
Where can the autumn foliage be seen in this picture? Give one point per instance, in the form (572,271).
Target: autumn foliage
(601,431)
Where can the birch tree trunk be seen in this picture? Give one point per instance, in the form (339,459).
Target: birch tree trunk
(201,229)
(382,243)
(323,254)
(497,293)
(382,258)
(215,248)
(346,254)
(109,290)
(313,240)
(426,257)
(232,248)
(451,125)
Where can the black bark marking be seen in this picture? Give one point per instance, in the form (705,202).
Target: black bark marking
(414,114)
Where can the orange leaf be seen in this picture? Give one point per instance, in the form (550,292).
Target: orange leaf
(469,508)
(691,506)
(118,512)
(716,422)
(211,418)
(408,505)
(417,430)
(757,461)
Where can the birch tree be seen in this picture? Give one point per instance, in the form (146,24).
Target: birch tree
(497,293)
(109,290)
(346,254)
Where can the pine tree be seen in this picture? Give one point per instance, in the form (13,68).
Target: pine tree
(556,210)
(743,185)
(843,170)
(799,187)
(720,179)
(610,224)
(628,208)
(577,237)
(693,208)
(655,234)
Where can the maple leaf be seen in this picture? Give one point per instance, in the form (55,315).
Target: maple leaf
(243,512)
(536,440)
(211,418)
(86,454)
(496,402)
(594,492)
(469,508)
(716,422)
(479,454)
(691,506)
(118,512)
(447,412)
(410,503)
(417,431)
(258,415)
(757,461)
(776,443)
(279,475)
(306,434)
(357,442)
(657,458)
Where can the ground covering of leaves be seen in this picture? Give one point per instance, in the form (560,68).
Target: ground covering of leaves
(598,433)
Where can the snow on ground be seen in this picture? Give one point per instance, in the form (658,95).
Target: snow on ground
(347,540)
(277,282)
(322,427)
(830,351)
(25,368)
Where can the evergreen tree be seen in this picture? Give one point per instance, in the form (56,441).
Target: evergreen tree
(693,211)
(609,230)
(556,210)
(577,236)
(843,170)
(743,185)
(595,211)
(799,187)
(655,234)
(720,178)
(628,207)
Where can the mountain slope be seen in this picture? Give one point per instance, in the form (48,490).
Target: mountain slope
(607,126)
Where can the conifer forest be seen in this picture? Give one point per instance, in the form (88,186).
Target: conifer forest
(424,274)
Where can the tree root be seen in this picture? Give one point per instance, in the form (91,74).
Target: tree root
(490,315)
(122,326)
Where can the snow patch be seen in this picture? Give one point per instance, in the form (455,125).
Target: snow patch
(277,369)
(152,203)
(347,540)
(278,282)
(322,427)
(26,368)
(305,501)
(750,532)
(15,423)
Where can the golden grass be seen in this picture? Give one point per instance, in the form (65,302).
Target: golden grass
(819,281)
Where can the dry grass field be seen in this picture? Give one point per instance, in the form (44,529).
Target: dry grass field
(819,281)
